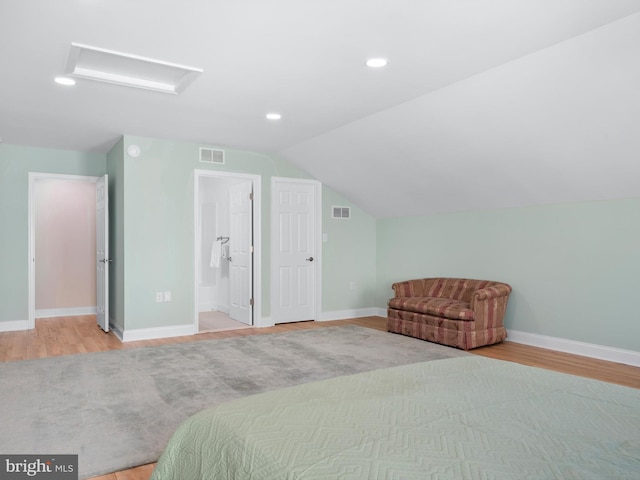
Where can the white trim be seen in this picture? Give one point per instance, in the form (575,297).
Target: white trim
(318,234)
(115,329)
(206,307)
(65,312)
(173,79)
(31,235)
(256,181)
(14,325)
(602,352)
(134,335)
(266,322)
(354,313)
(319,246)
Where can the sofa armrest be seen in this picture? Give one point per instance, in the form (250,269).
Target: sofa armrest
(494,291)
(406,288)
(489,305)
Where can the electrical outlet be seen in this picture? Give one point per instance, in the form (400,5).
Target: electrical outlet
(159,297)
(352,285)
(167,296)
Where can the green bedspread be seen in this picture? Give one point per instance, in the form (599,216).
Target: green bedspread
(461,418)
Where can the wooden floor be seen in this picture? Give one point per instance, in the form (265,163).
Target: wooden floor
(73,335)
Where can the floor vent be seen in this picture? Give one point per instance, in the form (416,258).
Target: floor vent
(211,155)
(341,212)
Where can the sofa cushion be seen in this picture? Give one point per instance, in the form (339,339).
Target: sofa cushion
(441,307)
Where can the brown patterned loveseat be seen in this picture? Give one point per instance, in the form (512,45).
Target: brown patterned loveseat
(458,312)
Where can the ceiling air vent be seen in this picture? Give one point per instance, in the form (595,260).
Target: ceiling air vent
(341,212)
(211,155)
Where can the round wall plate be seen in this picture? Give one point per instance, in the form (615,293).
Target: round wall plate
(133,151)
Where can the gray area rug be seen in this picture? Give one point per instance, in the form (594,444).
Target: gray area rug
(117,409)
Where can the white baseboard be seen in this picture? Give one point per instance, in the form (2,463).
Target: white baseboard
(115,328)
(355,313)
(602,352)
(263,322)
(206,307)
(133,335)
(14,325)
(64,312)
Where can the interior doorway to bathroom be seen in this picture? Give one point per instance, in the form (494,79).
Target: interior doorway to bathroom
(226,217)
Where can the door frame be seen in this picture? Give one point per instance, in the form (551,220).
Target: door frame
(31,233)
(317,225)
(256,182)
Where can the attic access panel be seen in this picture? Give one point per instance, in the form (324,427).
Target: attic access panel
(120,68)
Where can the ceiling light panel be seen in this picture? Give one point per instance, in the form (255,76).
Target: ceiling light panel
(129,70)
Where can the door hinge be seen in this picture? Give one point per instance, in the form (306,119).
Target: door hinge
(251,302)
(251,196)
(250,248)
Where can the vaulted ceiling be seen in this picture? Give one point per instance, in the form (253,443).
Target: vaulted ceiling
(483,104)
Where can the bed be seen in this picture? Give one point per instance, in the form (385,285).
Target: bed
(460,418)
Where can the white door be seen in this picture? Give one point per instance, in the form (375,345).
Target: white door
(102,253)
(241,252)
(294,250)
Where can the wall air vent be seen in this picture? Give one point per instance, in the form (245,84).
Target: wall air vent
(211,155)
(341,212)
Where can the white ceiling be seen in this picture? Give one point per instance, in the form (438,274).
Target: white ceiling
(484,103)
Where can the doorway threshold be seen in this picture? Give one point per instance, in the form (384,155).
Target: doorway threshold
(215,321)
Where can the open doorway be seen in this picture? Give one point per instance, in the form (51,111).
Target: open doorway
(62,246)
(226,235)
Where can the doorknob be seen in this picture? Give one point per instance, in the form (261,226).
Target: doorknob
(310,259)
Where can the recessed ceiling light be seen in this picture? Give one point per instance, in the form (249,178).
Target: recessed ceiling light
(377,62)
(65,81)
(274,116)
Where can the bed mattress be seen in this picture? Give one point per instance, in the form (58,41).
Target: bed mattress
(461,418)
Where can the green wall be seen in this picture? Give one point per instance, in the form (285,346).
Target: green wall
(158,233)
(346,257)
(15,164)
(115,170)
(151,229)
(574,268)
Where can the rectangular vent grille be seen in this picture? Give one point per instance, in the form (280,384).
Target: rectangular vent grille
(211,155)
(341,212)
